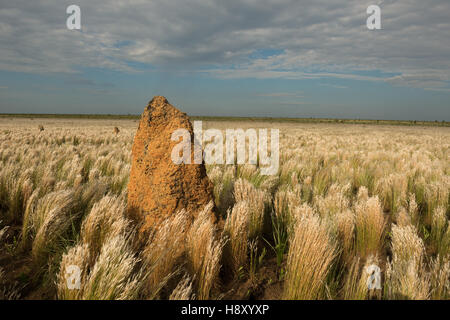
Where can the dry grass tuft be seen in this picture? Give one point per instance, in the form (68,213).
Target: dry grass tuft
(440,232)
(370,226)
(113,276)
(310,258)
(355,282)
(204,252)
(345,222)
(78,256)
(183,290)
(105,221)
(51,219)
(164,251)
(3,231)
(440,278)
(334,202)
(236,230)
(406,277)
(245,191)
(7,291)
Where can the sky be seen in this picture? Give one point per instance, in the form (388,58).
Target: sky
(259,58)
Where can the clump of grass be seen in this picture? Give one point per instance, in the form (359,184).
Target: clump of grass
(90,193)
(223,190)
(406,277)
(236,230)
(79,257)
(184,290)
(49,222)
(392,190)
(310,258)
(8,291)
(440,232)
(285,201)
(284,221)
(255,259)
(287,209)
(27,221)
(335,201)
(104,256)
(402,218)
(413,210)
(345,223)
(15,189)
(322,180)
(440,278)
(436,195)
(204,252)
(3,230)
(164,250)
(112,277)
(280,239)
(245,191)
(354,287)
(105,221)
(370,226)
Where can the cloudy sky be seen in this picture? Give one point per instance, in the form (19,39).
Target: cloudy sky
(293,58)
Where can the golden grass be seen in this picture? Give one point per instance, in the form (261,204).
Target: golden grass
(105,221)
(345,224)
(204,251)
(406,277)
(355,281)
(236,231)
(310,258)
(50,220)
(8,291)
(256,199)
(64,188)
(184,290)
(113,275)
(369,225)
(104,255)
(440,278)
(440,232)
(164,251)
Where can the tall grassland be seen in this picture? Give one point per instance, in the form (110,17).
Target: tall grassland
(345,198)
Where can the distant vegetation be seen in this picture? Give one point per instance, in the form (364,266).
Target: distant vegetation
(68,116)
(222,118)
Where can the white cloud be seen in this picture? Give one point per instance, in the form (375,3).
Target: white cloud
(311,38)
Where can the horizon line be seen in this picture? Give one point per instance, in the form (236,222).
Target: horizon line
(218,117)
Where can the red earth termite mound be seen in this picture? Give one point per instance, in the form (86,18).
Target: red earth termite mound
(159,188)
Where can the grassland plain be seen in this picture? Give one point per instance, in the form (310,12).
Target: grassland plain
(346,196)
